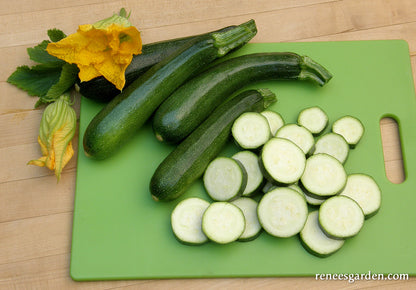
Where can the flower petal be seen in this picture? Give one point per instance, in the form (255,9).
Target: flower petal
(87,73)
(134,43)
(97,52)
(113,72)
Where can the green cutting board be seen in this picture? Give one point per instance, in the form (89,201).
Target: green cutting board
(119,232)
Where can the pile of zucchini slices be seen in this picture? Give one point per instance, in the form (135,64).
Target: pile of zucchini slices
(287,180)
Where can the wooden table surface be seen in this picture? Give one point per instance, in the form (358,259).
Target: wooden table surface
(36,212)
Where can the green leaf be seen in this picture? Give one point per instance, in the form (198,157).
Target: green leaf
(40,55)
(39,103)
(50,78)
(123,13)
(67,79)
(35,80)
(56,35)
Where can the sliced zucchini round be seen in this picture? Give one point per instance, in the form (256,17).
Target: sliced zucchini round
(268,186)
(250,161)
(186,219)
(364,190)
(314,119)
(223,222)
(298,135)
(315,240)
(324,176)
(334,145)
(282,212)
(249,209)
(282,161)
(224,179)
(350,128)
(309,199)
(340,217)
(297,188)
(313,200)
(251,130)
(275,120)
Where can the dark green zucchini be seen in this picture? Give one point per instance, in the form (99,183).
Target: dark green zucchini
(121,118)
(188,161)
(101,90)
(190,104)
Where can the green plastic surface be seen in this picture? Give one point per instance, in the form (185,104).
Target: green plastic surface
(119,232)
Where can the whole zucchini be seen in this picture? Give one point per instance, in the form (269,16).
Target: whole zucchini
(101,90)
(188,161)
(126,113)
(176,117)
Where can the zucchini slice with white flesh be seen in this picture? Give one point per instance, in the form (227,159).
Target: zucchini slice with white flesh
(251,130)
(324,176)
(282,161)
(223,222)
(309,199)
(186,220)
(224,179)
(333,144)
(250,161)
(296,187)
(364,190)
(350,128)
(313,200)
(298,135)
(341,217)
(249,208)
(282,212)
(315,240)
(268,186)
(275,120)
(314,119)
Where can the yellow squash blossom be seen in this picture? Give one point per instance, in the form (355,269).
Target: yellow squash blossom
(57,128)
(105,49)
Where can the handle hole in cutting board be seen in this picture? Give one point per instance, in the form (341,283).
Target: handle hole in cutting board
(393,158)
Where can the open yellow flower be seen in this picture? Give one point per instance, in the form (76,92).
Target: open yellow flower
(105,49)
(57,128)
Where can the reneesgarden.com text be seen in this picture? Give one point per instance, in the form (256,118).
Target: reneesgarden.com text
(369,276)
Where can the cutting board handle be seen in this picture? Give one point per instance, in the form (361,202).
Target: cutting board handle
(391,142)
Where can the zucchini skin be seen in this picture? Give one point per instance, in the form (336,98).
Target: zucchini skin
(101,90)
(126,113)
(121,118)
(188,106)
(188,161)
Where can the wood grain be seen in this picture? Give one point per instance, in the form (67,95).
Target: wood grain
(36,212)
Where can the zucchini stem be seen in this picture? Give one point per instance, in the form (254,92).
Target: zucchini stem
(268,97)
(307,75)
(314,71)
(235,37)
